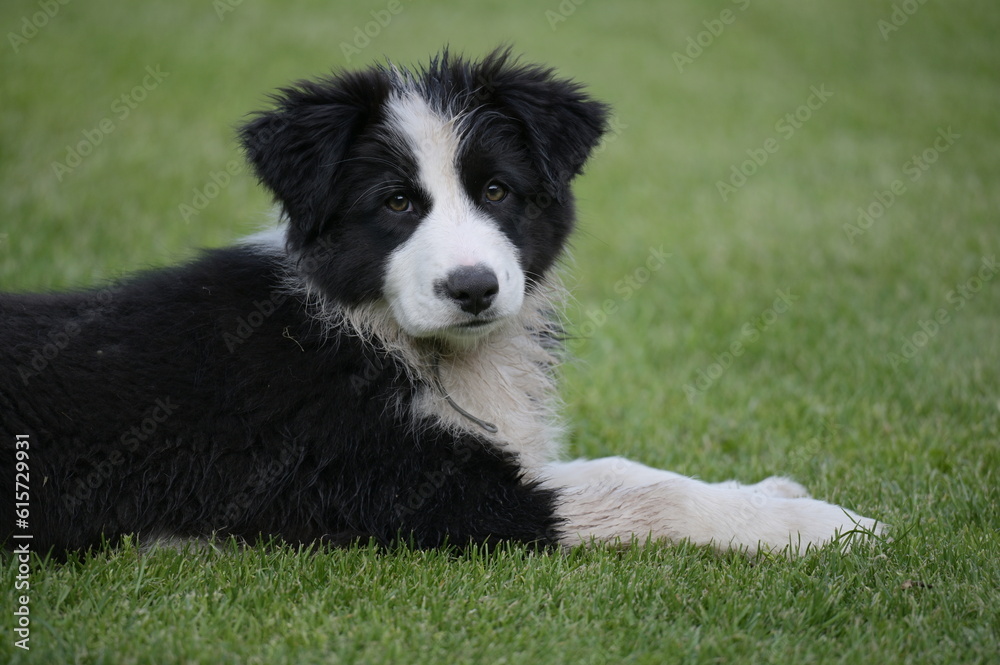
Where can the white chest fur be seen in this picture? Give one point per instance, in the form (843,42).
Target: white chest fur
(507,383)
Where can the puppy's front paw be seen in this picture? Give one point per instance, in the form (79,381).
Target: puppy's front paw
(811,523)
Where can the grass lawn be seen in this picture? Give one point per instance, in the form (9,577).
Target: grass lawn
(785,264)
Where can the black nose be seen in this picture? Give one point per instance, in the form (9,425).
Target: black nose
(473,287)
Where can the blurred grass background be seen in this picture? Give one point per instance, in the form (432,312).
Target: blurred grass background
(817,393)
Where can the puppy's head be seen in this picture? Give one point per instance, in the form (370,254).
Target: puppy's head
(443,191)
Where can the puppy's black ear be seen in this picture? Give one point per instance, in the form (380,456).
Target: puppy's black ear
(296,148)
(561,123)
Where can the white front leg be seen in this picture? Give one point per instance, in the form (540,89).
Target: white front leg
(615,500)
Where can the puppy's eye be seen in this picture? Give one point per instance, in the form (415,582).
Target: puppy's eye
(495,192)
(399,203)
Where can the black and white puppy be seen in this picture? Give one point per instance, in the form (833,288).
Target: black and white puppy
(379,367)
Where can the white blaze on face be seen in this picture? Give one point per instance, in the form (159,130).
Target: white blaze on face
(453,234)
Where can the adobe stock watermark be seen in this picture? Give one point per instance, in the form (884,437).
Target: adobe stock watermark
(786,126)
(216,182)
(223,7)
(121,109)
(803,454)
(130,440)
(57,338)
(374,367)
(957,298)
(563,11)
(266,475)
(901,13)
(538,203)
(615,129)
(626,288)
(247,325)
(914,168)
(364,34)
(22,538)
(549,193)
(432,481)
(696,44)
(33,24)
(750,332)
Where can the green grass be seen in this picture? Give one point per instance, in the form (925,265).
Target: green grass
(816,394)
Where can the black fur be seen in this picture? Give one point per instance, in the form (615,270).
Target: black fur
(206,398)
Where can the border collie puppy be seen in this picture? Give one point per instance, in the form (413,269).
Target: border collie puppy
(380,367)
